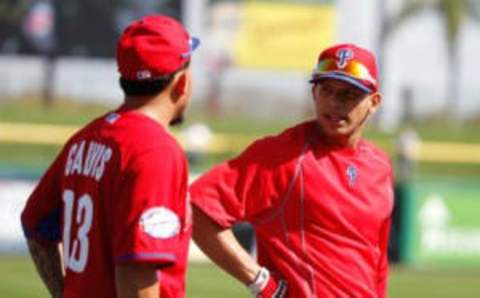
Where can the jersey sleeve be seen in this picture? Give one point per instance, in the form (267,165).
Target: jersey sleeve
(41,216)
(149,211)
(236,190)
(383,266)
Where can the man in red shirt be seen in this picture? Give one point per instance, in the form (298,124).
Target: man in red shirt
(116,196)
(318,195)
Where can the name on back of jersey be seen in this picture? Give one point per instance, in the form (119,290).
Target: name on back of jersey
(87,158)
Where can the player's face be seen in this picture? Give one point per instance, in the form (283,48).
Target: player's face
(184,100)
(342,109)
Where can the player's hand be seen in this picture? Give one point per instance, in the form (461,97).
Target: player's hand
(275,288)
(267,285)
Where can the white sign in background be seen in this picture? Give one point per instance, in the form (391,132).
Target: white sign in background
(13,195)
(439,237)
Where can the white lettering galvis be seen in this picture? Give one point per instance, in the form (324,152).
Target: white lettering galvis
(93,164)
(93,153)
(69,163)
(107,154)
(78,160)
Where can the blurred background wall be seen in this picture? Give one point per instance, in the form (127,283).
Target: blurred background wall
(250,50)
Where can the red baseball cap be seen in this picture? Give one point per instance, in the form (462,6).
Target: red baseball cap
(153,46)
(348,63)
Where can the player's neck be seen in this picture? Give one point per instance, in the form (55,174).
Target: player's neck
(341,141)
(157,108)
(354,140)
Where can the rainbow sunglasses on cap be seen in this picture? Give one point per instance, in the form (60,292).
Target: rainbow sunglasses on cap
(347,63)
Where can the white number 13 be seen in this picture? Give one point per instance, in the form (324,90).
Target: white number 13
(75,257)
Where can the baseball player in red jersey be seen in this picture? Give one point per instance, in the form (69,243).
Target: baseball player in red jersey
(116,196)
(318,195)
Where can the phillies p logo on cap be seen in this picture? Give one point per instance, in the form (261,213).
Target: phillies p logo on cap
(348,63)
(343,56)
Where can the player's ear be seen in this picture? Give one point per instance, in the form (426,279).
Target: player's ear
(180,84)
(375,101)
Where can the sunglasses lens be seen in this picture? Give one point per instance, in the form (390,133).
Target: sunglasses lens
(353,69)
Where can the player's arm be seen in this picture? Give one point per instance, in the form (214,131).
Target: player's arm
(383,265)
(136,281)
(228,194)
(221,246)
(41,226)
(48,262)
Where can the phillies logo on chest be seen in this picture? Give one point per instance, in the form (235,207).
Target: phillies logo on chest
(352,174)
(343,56)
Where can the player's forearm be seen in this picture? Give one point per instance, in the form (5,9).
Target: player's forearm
(221,247)
(47,260)
(136,281)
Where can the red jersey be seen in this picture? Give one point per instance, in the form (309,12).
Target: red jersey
(116,193)
(321,214)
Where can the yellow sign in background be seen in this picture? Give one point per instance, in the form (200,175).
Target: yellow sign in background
(283,35)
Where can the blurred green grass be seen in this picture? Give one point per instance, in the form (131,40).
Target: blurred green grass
(36,157)
(19,279)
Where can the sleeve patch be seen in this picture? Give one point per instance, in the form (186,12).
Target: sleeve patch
(160,223)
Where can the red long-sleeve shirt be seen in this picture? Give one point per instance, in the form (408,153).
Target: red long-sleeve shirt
(321,214)
(117,193)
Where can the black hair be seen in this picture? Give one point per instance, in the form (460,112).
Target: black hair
(149,87)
